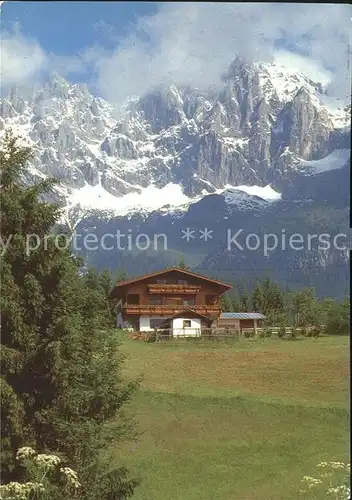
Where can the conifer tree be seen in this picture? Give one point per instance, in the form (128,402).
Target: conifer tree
(60,367)
(226,303)
(306,307)
(267,298)
(338,318)
(182,263)
(120,275)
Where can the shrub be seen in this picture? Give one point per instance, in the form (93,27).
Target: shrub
(234,333)
(262,334)
(293,333)
(268,332)
(309,332)
(338,319)
(61,377)
(315,332)
(150,337)
(282,332)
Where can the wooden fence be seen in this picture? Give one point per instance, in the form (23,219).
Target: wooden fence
(224,334)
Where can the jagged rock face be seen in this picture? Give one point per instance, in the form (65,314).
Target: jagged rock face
(263,126)
(250,132)
(307,129)
(162,109)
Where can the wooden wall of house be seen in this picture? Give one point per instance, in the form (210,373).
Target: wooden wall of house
(173,277)
(229,323)
(207,289)
(139,288)
(235,323)
(247,323)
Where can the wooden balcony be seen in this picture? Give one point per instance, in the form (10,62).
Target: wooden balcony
(169,310)
(170,288)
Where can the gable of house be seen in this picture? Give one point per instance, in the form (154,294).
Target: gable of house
(174,275)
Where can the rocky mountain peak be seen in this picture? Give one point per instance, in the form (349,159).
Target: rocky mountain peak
(240,67)
(254,130)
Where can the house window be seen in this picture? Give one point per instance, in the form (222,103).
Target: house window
(210,300)
(155,300)
(186,323)
(182,282)
(155,322)
(189,302)
(161,282)
(132,298)
(174,301)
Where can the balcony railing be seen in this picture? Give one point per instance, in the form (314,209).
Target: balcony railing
(164,288)
(170,310)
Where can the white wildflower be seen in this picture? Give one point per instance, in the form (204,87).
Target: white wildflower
(323,464)
(25,452)
(337,465)
(47,461)
(343,490)
(314,482)
(71,476)
(332,479)
(307,478)
(326,475)
(332,491)
(19,491)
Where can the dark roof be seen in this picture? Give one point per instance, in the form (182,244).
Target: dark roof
(164,271)
(233,315)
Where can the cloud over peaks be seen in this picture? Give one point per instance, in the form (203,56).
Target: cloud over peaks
(193,43)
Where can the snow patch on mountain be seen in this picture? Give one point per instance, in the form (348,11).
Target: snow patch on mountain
(169,199)
(146,200)
(249,197)
(335,160)
(266,193)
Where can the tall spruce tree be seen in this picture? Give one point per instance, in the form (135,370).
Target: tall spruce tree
(120,275)
(226,303)
(306,307)
(182,263)
(338,318)
(60,366)
(267,298)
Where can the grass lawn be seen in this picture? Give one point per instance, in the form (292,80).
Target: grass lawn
(243,421)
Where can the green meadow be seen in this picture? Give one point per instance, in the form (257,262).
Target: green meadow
(240,421)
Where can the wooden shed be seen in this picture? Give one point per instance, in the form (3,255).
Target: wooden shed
(240,320)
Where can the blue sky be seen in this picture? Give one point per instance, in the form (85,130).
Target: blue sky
(127,48)
(68,27)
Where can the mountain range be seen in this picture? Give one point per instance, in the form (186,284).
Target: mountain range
(267,152)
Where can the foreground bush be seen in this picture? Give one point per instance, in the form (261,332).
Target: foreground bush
(61,380)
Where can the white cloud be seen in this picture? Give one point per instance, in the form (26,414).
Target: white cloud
(194,43)
(24,62)
(21,59)
(310,67)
